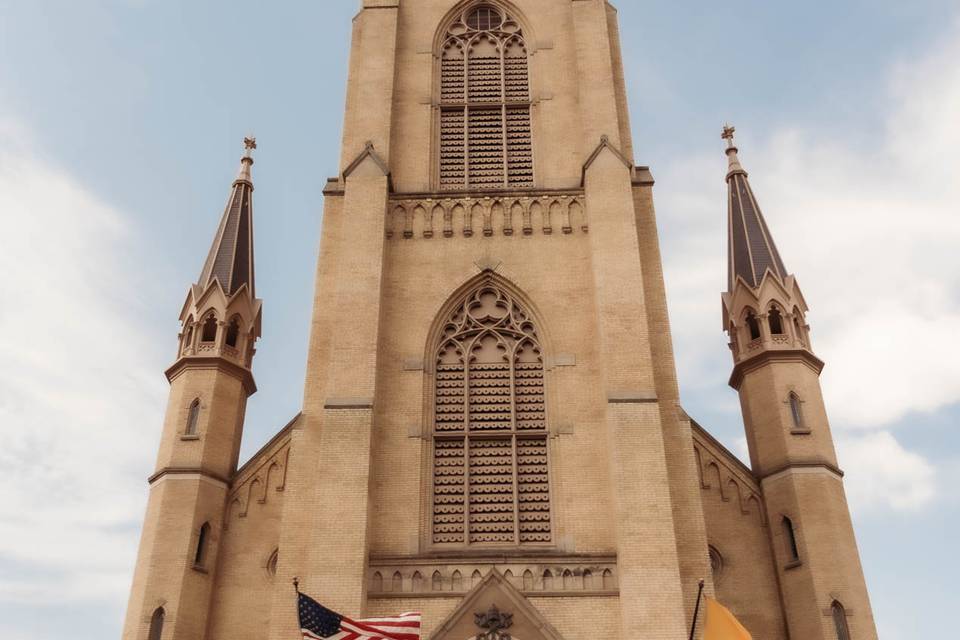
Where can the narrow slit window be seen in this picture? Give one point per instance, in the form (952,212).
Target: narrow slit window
(791,539)
(796,411)
(203,541)
(156,624)
(193,418)
(840,621)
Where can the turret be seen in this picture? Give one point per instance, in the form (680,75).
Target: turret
(210,382)
(791,448)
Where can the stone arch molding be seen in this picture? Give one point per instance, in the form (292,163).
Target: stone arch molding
(487,410)
(495,610)
(462,7)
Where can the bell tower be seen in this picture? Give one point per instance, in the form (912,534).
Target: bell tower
(792,453)
(209,386)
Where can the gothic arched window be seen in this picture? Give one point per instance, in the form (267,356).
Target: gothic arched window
(840,621)
(776,322)
(233,332)
(203,541)
(485,130)
(753,325)
(491,480)
(193,418)
(156,624)
(796,411)
(209,332)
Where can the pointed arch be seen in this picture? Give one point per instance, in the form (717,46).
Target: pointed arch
(548,580)
(376,582)
(208,332)
(416,583)
(796,411)
(436,583)
(840,620)
(234,329)
(156,624)
(201,553)
(487,405)
(483,86)
(528,580)
(193,418)
(476,578)
(753,325)
(588,580)
(608,582)
(396,583)
(775,320)
(456,581)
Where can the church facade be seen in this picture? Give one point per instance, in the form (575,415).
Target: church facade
(491,430)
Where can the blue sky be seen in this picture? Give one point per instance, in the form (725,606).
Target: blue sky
(120,130)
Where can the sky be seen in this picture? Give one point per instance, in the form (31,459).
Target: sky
(121,124)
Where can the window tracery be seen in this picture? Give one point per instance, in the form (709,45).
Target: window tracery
(491,479)
(485,106)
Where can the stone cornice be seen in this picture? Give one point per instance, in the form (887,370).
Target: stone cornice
(764,358)
(802,465)
(244,375)
(181,471)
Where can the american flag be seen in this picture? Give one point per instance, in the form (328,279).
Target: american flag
(317,623)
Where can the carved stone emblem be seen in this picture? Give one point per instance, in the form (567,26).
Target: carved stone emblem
(494,623)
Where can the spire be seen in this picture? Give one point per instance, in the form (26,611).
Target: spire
(752,250)
(231,256)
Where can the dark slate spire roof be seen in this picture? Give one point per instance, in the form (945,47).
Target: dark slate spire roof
(751,248)
(231,257)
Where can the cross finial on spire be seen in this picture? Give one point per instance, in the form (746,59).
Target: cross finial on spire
(728,131)
(249,144)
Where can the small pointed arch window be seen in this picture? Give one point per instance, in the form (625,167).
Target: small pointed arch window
(790,537)
(193,418)
(775,318)
(203,542)
(209,330)
(796,411)
(156,624)
(753,326)
(233,332)
(840,621)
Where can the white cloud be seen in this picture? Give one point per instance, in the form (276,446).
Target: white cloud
(80,396)
(872,234)
(882,473)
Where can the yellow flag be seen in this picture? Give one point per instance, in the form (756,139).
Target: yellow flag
(722,625)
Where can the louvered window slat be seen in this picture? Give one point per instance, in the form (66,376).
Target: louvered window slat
(485,115)
(491,477)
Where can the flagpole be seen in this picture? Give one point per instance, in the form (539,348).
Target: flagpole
(696,611)
(296,584)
